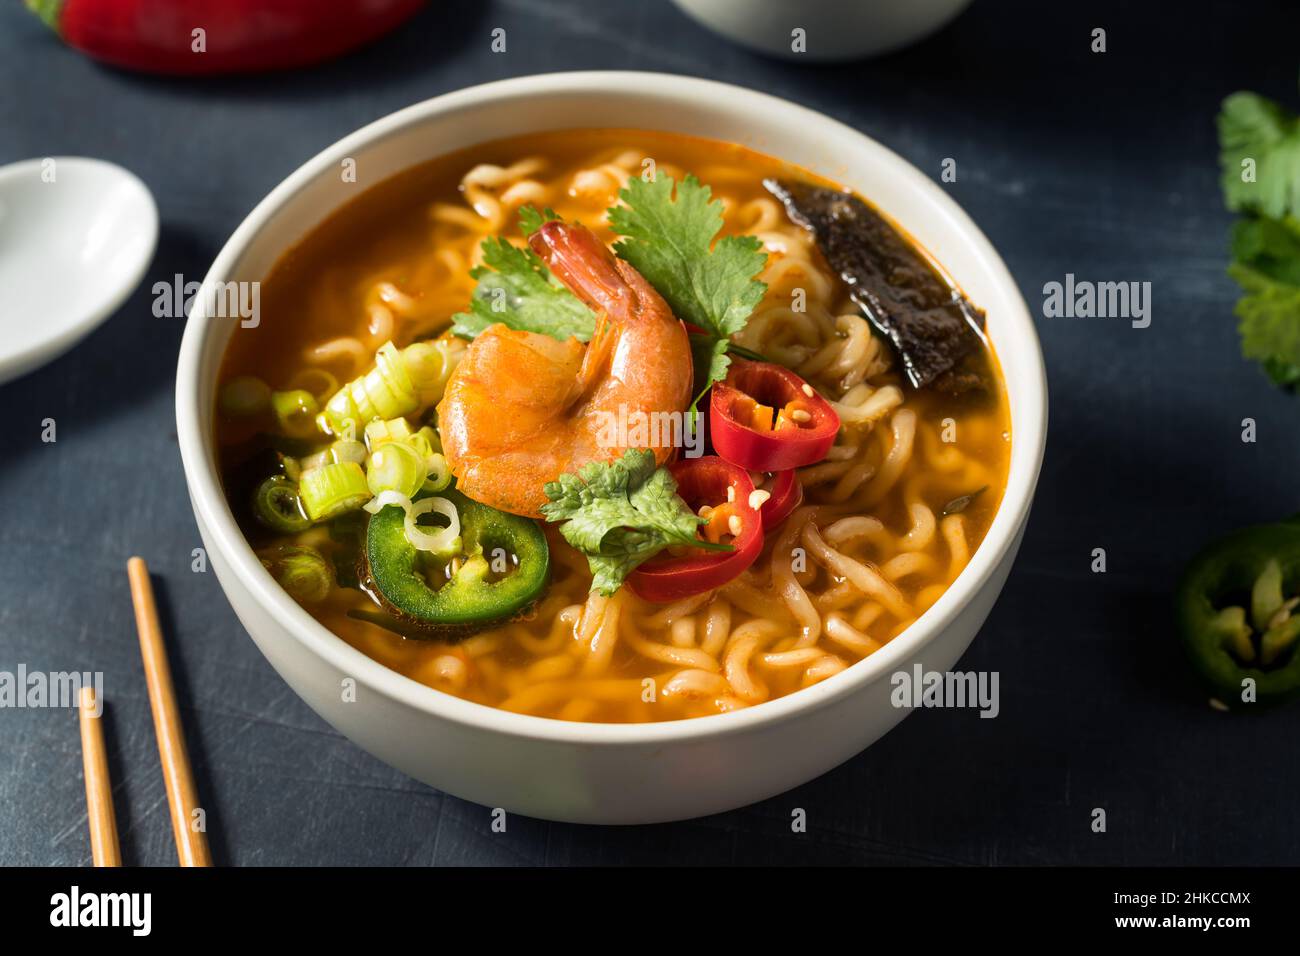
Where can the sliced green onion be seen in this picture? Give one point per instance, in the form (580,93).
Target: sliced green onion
(426,444)
(302,571)
(439,473)
(277,505)
(383,392)
(430,364)
(400,383)
(421,444)
(346,450)
(395,466)
(432,437)
(295,412)
(245,396)
(378,432)
(385,498)
(292,467)
(333,489)
(314,460)
(441,542)
(341,450)
(326,384)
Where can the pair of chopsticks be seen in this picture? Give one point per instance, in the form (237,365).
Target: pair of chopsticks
(178,777)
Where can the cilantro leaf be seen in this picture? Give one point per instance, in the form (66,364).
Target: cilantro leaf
(668,231)
(1255,128)
(516,289)
(630,493)
(1270,246)
(670,240)
(620,557)
(620,513)
(711,363)
(1266,240)
(1269,323)
(530,220)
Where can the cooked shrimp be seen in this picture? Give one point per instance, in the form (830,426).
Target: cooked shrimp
(522,408)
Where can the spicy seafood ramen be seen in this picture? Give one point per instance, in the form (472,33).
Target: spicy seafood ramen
(611,425)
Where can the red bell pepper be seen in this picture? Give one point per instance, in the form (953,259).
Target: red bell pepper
(238,36)
(766,418)
(725,487)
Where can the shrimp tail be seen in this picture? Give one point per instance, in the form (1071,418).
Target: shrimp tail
(586,267)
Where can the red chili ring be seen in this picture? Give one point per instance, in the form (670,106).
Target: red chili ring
(787,494)
(779,449)
(704,481)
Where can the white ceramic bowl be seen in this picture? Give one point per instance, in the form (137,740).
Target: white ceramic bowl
(608,773)
(832,29)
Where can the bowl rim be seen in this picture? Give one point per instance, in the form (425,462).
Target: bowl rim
(214,515)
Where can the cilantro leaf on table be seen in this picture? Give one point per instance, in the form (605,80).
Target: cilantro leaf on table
(620,513)
(668,231)
(1266,264)
(1270,246)
(1254,128)
(1266,239)
(1269,323)
(516,289)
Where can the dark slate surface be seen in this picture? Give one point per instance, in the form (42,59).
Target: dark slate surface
(1100,165)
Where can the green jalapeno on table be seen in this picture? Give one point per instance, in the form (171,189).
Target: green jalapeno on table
(1237,615)
(500,569)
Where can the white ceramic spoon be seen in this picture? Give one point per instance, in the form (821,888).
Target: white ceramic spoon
(76,236)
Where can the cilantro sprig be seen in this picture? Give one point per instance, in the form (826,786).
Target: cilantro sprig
(516,289)
(1266,265)
(621,513)
(1267,134)
(1260,156)
(670,232)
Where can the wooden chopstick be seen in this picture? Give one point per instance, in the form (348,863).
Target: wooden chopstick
(182,795)
(104,849)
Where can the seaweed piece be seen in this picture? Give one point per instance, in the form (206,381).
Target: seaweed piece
(935,331)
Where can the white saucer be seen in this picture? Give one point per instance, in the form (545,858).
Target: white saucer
(76,236)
